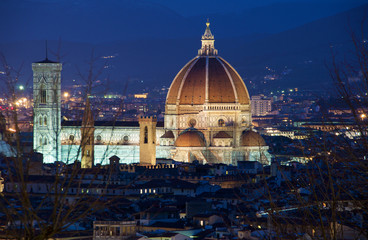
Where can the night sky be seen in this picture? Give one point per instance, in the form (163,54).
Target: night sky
(110,20)
(152,39)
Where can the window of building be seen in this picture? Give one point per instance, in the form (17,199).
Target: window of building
(40,141)
(45,141)
(145,134)
(40,121)
(71,137)
(43,94)
(192,122)
(221,122)
(45,121)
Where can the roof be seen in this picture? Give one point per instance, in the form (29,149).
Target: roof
(168,134)
(222,134)
(191,138)
(173,183)
(224,84)
(252,139)
(107,123)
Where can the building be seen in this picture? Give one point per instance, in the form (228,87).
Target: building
(207,118)
(47,109)
(261,105)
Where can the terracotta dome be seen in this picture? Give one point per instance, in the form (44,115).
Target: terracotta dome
(252,139)
(190,138)
(168,134)
(222,134)
(207,78)
(224,83)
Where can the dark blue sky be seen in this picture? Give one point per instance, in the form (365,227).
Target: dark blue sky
(111,20)
(152,39)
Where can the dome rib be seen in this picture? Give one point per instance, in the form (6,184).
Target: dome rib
(231,79)
(219,88)
(174,89)
(184,78)
(193,86)
(243,94)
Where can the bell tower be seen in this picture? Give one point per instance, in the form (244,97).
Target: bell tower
(47,109)
(147,140)
(87,136)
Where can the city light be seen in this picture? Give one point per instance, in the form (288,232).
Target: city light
(21,87)
(66,94)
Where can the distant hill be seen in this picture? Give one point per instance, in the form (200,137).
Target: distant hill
(304,50)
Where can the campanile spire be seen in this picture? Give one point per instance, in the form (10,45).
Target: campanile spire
(208,43)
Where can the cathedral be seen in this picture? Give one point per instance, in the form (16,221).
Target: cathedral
(207,118)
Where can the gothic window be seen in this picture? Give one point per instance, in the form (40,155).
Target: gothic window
(45,141)
(45,121)
(43,94)
(40,141)
(145,134)
(40,121)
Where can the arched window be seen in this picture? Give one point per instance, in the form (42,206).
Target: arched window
(45,121)
(40,141)
(45,141)
(145,134)
(40,121)
(221,122)
(43,94)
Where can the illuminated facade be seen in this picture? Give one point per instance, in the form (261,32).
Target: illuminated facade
(207,118)
(47,109)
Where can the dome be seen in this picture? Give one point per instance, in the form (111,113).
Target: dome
(190,138)
(168,134)
(252,139)
(207,78)
(222,134)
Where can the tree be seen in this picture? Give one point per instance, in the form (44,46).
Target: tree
(39,207)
